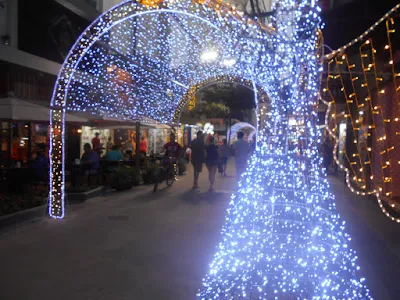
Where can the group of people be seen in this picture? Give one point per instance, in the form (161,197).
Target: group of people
(129,146)
(91,157)
(213,156)
(216,157)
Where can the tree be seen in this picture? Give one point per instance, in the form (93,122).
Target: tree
(209,109)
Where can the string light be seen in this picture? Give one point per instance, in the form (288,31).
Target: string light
(363,35)
(282,237)
(137,61)
(380,185)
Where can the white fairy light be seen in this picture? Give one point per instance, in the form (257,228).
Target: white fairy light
(282,237)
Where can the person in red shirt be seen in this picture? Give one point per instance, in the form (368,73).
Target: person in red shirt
(143,146)
(96,143)
(172,148)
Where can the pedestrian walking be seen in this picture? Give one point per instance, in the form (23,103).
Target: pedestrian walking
(189,153)
(327,154)
(241,155)
(223,157)
(212,161)
(197,156)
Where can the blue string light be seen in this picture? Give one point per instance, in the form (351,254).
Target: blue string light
(283,238)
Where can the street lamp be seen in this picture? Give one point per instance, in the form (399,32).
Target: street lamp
(229,62)
(209,56)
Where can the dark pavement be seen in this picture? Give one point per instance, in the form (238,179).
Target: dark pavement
(140,245)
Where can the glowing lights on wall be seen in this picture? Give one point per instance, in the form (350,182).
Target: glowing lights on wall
(370,165)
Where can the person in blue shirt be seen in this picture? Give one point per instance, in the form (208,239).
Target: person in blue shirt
(114,154)
(90,159)
(40,163)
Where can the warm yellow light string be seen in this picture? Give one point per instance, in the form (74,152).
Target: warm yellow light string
(365,84)
(383,138)
(390,30)
(332,103)
(348,102)
(363,35)
(333,135)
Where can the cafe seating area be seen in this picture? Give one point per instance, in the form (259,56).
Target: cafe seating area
(20,189)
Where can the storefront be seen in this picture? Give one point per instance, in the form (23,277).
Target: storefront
(88,133)
(158,137)
(189,134)
(24,125)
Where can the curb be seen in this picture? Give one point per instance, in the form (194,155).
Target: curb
(82,197)
(22,216)
(41,211)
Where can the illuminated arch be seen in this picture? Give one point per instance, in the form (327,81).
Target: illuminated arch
(261,95)
(251,135)
(126,65)
(239,126)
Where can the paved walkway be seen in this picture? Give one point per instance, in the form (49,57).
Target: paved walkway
(140,245)
(131,245)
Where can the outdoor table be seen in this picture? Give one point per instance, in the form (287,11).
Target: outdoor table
(78,174)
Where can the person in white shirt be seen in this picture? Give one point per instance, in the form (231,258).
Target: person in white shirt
(241,155)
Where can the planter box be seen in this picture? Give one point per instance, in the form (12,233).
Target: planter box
(78,197)
(23,216)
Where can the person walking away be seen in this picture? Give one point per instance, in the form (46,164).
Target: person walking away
(327,154)
(223,157)
(197,157)
(143,146)
(241,155)
(96,144)
(212,161)
(189,153)
(173,150)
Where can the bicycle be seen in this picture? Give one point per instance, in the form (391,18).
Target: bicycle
(166,172)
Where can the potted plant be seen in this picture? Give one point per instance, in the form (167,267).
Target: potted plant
(124,178)
(148,173)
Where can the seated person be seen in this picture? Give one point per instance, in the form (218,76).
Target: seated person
(40,163)
(90,160)
(114,154)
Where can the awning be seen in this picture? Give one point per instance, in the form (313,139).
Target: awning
(125,126)
(21,110)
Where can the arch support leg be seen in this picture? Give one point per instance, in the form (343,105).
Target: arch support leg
(56,202)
